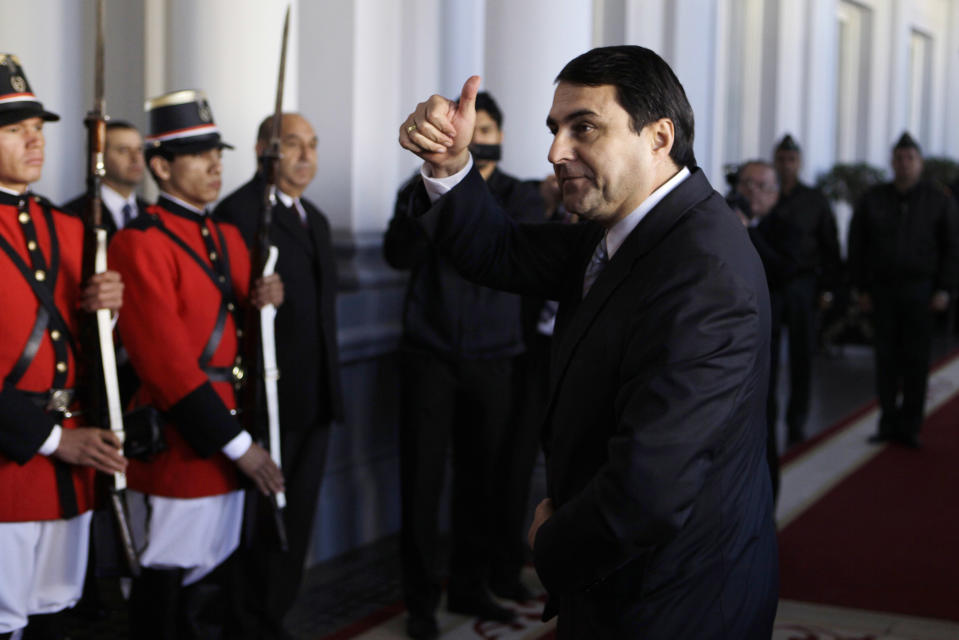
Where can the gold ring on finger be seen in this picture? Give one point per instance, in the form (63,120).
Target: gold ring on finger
(410,128)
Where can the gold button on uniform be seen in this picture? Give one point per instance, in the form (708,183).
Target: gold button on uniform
(40,275)
(229,306)
(24,217)
(32,246)
(213,255)
(61,367)
(221,278)
(204,231)
(54,335)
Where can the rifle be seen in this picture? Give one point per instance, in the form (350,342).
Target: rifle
(96,333)
(259,338)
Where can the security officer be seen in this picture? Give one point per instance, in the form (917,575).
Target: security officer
(188,279)
(810,288)
(904,263)
(459,345)
(47,459)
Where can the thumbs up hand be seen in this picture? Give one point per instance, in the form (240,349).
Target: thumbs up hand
(439,130)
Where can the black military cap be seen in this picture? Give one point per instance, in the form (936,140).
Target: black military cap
(181,122)
(17,101)
(787,144)
(906,141)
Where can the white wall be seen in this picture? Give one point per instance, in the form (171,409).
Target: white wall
(357,67)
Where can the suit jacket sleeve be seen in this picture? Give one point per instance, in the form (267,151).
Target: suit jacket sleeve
(948,274)
(689,372)
(490,248)
(405,244)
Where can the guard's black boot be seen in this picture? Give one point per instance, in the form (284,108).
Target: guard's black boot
(48,626)
(205,603)
(154,604)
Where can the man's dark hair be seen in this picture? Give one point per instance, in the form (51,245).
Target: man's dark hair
(645,87)
(119,124)
(485,102)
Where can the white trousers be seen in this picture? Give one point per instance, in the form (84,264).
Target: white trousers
(195,534)
(42,567)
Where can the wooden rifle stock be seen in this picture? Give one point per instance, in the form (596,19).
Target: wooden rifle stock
(101,389)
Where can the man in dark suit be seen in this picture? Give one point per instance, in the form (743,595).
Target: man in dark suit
(777,240)
(659,517)
(308,359)
(124,167)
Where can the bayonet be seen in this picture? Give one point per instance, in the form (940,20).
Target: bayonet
(260,339)
(100,366)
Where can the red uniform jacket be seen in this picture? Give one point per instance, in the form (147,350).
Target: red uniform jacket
(170,308)
(28,484)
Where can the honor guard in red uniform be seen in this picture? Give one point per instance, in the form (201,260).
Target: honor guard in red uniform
(47,459)
(188,278)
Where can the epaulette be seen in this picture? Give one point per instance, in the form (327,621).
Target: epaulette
(142,222)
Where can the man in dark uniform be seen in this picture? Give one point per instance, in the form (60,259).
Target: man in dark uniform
(124,168)
(47,460)
(459,342)
(809,289)
(904,263)
(308,359)
(188,278)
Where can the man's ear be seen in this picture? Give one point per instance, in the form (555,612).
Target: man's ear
(662,136)
(160,167)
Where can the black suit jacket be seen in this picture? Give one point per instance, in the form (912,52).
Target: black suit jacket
(655,433)
(77,206)
(307,352)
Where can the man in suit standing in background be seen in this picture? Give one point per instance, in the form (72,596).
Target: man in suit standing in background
(124,168)
(308,359)
(659,517)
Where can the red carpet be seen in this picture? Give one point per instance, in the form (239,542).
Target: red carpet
(887,537)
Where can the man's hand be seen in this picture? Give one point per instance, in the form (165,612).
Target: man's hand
(267,290)
(865,302)
(544,510)
(940,301)
(260,468)
(102,291)
(91,447)
(440,130)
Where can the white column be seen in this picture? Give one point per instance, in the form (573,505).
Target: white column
(819,104)
(462,44)
(60,72)
(527,44)
(693,60)
(791,41)
(950,130)
(230,49)
(645,22)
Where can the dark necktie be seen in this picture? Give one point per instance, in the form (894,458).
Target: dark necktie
(596,265)
(127,214)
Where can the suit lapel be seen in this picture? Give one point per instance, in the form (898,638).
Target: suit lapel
(574,321)
(287,220)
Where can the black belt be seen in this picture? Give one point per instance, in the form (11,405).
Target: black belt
(57,402)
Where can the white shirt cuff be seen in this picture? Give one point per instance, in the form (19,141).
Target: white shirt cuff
(239,445)
(52,442)
(437,187)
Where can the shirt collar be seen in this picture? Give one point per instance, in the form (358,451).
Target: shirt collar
(287,200)
(115,202)
(618,232)
(12,192)
(185,205)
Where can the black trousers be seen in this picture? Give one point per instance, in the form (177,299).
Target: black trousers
(516,459)
(268,579)
(793,306)
(903,326)
(465,403)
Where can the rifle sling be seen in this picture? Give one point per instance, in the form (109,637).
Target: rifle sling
(216,374)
